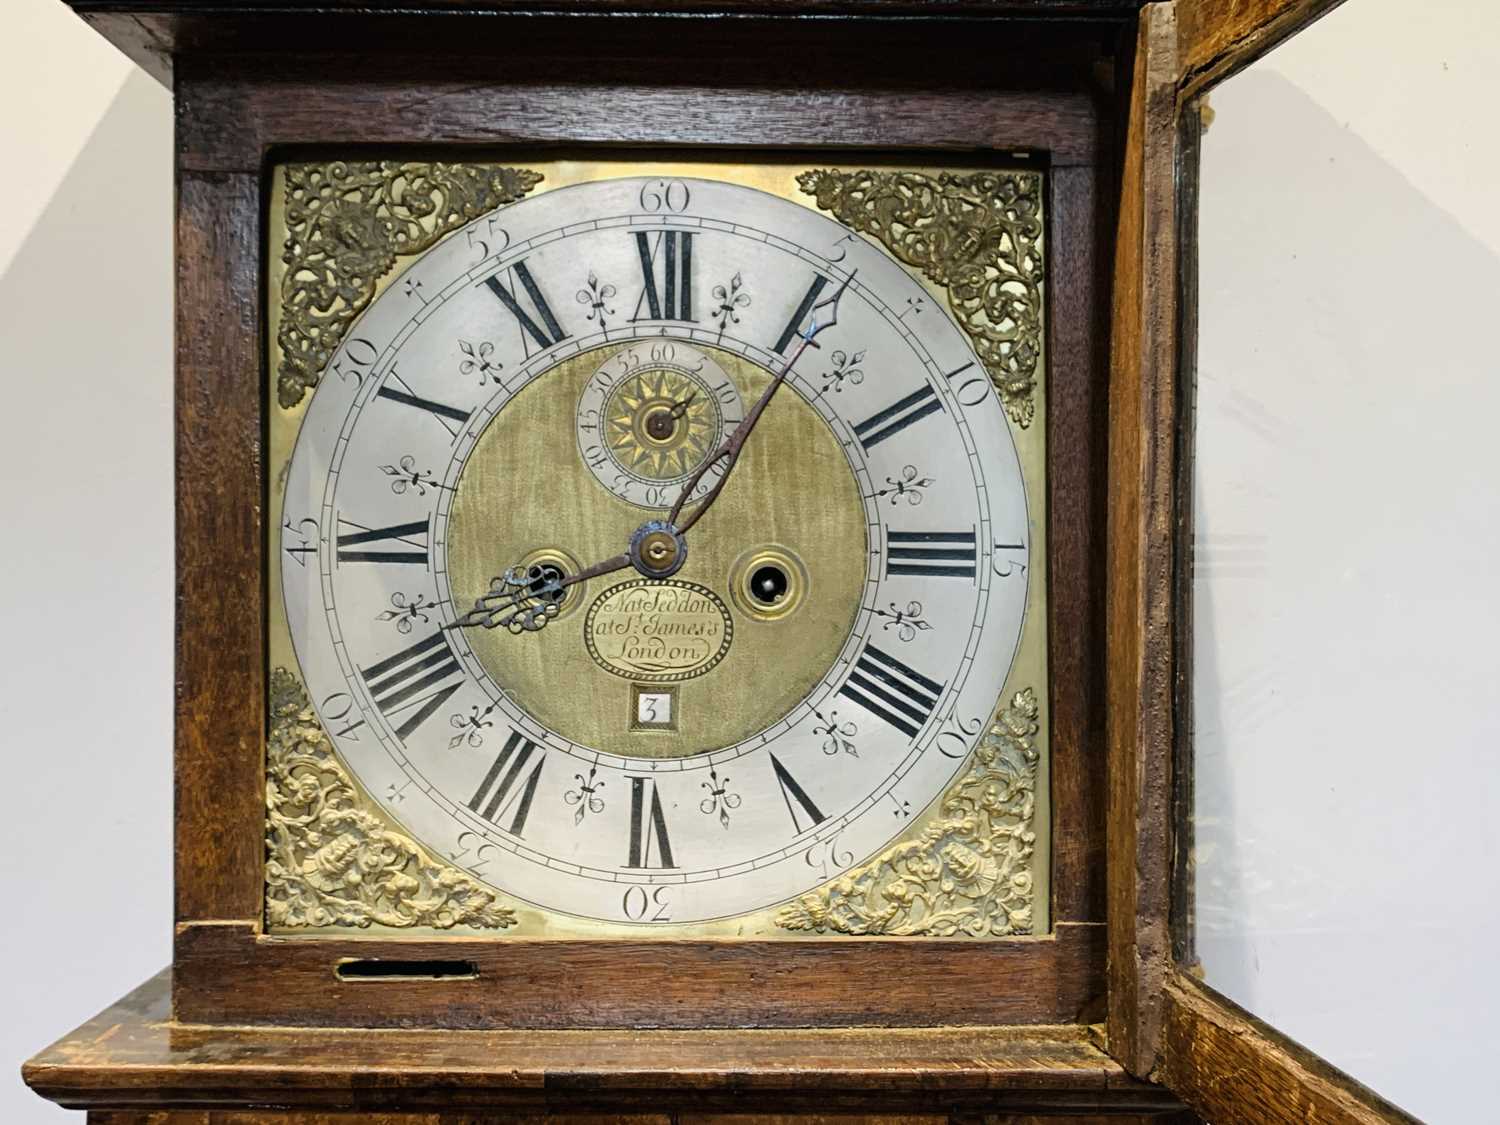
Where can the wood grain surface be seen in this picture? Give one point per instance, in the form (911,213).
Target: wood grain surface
(226,973)
(1217,38)
(1235,1070)
(132,1056)
(273,1117)
(1139,598)
(220,663)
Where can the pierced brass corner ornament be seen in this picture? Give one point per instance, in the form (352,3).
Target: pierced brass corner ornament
(332,862)
(969,873)
(346,223)
(979,236)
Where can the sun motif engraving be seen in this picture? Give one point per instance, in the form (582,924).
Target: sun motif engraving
(661,425)
(651,416)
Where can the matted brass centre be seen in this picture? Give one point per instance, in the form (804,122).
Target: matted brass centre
(793,486)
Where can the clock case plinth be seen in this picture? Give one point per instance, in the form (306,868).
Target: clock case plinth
(1089,90)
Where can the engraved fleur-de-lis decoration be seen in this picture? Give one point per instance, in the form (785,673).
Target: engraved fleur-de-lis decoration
(909,484)
(596,297)
(413,288)
(837,737)
(907,622)
(719,798)
(731,299)
(408,609)
(478,359)
(586,795)
(407,475)
(845,369)
(470,727)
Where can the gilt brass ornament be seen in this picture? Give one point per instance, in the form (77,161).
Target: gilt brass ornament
(969,873)
(331,860)
(347,221)
(978,235)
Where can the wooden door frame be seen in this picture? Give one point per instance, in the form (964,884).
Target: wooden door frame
(1164,1022)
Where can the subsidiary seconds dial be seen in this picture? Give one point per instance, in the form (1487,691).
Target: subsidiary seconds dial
(651,415)
(714,742)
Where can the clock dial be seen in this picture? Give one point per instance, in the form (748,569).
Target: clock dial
(651,415)
(834,632)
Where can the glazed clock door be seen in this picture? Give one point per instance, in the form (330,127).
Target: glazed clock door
(657,551)
(1267,760)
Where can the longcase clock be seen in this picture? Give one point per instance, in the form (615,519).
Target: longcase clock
(674,587)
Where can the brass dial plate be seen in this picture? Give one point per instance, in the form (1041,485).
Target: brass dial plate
(1009,346)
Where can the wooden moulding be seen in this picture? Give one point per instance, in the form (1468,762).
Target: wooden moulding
(228,974)
(1219,37)
(156,33)
(1140,545)
(273,1117)
(1234,1070)
(132,1055)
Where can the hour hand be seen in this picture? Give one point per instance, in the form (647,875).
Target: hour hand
(522,600)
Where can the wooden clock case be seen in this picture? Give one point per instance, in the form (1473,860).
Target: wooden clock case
(1078,1021)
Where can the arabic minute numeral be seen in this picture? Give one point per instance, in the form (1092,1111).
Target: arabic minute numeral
(971,391)
(954,740)
(669,195)
(309,540)
(1011,565)
(825,857)
(640,904)
(355,360)
(494,241)
(336,709)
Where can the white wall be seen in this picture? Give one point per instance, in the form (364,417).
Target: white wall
(86,508)
(1347,543)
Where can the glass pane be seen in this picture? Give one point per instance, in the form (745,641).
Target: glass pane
(1347,536)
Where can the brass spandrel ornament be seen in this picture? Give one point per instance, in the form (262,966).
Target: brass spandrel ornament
(968,874)
(346,223)
(979,236)
(332,859)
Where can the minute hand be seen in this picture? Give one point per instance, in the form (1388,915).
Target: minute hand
(824,315)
